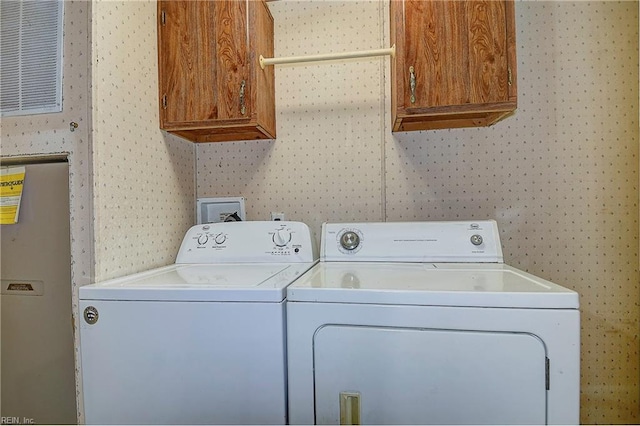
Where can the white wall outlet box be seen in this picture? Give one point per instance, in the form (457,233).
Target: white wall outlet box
(223,209)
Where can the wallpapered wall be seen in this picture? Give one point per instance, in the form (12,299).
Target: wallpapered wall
(143,178)
(560,177)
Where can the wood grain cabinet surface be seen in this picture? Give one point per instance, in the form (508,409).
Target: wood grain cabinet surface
(211,86)
(455,63)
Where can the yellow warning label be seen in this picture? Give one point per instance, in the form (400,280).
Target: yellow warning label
(11,184)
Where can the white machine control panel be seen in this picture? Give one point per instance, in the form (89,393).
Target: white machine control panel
(238,242)
(455,241)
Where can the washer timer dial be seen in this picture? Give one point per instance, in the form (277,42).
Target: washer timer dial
(281,237)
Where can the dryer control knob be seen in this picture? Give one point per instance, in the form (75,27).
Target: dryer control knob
(476,239)
(220,238)
(350,240)
(281,237)
(202,239)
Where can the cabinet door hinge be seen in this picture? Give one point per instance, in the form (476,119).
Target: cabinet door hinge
(509,77)
(546,372)
(164,101)
(163,17)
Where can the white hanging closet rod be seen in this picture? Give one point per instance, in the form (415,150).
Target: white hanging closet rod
(327,57)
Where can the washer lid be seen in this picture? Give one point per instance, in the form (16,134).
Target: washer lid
(429,284)
(199,282)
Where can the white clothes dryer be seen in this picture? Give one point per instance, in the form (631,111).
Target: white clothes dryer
(423,323)
(201,341)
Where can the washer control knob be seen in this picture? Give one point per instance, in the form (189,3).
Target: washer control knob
(349,240)
(281,237)
(220,238)
(202,239)
(476,239)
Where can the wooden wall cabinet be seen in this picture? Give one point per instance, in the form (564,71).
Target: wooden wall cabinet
(211,86)
(455,63)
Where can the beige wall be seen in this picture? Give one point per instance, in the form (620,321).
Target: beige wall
(560,177)
(143,180)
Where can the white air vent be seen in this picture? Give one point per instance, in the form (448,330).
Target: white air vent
(30,57)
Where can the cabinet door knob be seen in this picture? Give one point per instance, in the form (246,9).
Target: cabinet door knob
(412,84)
(243,108)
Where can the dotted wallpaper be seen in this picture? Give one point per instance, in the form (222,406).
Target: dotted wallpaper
(143,179)
(560,176)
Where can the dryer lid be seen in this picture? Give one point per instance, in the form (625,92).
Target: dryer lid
(201,282)
(429,284)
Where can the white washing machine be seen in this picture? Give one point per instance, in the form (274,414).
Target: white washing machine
(423,323)
(198,342)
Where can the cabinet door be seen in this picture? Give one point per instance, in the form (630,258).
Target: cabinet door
(455,63)
(458,50)
(203,60)
(231,36)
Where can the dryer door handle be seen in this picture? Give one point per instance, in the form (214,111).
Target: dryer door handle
(349,408)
